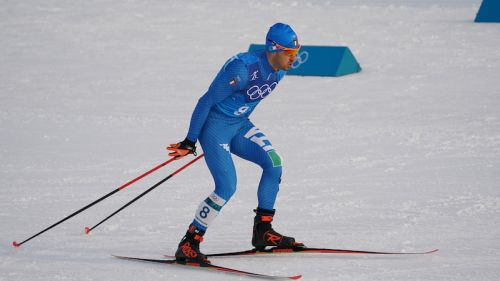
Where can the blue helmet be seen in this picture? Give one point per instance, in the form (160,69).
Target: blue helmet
(283,35)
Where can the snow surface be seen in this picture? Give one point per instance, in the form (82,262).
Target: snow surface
(404,156)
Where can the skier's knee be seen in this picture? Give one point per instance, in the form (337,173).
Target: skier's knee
(274,173)
(226,190)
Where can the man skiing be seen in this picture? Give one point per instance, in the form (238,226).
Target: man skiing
(220,122)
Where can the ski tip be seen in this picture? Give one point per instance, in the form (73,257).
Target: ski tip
(433,251)
(87,230)
(121,257)
(296,277)
(15,244)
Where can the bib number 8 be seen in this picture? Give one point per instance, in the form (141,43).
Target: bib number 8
(204,212)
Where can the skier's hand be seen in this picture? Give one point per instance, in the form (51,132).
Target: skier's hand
(182,149)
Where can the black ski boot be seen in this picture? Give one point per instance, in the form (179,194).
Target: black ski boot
(264,235)
(189,247)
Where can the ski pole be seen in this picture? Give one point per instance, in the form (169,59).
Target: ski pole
(89,229)
(15,244)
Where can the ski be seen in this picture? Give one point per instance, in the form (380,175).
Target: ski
(210,266)
(275,250)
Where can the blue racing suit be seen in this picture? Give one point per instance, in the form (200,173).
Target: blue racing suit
(220,122)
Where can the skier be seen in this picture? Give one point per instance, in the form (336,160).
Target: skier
(220,122)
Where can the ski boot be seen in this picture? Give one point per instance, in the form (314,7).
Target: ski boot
(189,247)
(264,235)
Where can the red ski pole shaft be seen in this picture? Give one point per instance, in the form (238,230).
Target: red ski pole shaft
(147,173)
(89,229)
(16,244)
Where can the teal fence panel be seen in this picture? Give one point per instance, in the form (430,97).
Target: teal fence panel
(321,61)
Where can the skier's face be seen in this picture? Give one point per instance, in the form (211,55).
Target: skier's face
(285,60)
(281,60)
(286,56)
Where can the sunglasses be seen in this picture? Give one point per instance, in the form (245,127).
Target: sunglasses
(287,51)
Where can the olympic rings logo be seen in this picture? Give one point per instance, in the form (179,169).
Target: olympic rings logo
(255,92)
(301,59)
